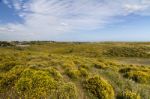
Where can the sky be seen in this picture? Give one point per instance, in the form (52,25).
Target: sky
(75,20)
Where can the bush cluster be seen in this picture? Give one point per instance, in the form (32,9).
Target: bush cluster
(99,87)
(35,83)
(67,91)
(55,74)
(6,66)
(127,94)
(127,52)
(84,72)
(9,79)
(99,65)
(140,76)
(5,44)
(73,73)
(40,84)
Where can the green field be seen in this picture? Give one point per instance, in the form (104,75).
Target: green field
(74,70)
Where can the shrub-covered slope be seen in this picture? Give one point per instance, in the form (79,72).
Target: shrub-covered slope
(72,71)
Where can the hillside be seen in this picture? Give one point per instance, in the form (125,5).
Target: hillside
(74,70)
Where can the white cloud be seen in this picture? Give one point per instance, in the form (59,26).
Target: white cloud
(6,29)
(133,8)
(43,18)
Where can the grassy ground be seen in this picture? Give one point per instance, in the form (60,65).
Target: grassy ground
(107,70)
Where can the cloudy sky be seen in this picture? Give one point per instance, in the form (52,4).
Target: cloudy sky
(75,20)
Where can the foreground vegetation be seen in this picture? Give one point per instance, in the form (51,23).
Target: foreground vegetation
(59,70)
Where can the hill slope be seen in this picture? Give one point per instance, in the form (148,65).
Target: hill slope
(74,71)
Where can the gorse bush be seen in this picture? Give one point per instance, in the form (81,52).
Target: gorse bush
(128,95)
(9,79)
(100,65)
(8,65)
(38,84)
(84,66)
(140,76)
(67,91)
(125,70)
(99,87)
(68,64)
(84,72)
(127,52)
(72,73)
(33,83)
(55,73)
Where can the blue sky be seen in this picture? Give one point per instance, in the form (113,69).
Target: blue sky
(75,20)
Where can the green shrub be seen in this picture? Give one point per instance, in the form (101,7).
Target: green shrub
(84,66)
(55,73)
(99,87)
(39,84)
(72,73)
(138,76)
(99,65)
(24,85)
(67,91)
(68,64)
(55,62)
(7,65)
(9,79)
(84,72)
(125,70)
(35,83)
(128,95)
(127,52)
(5,44)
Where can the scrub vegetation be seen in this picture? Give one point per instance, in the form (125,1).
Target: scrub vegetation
(74,70)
